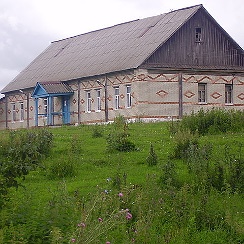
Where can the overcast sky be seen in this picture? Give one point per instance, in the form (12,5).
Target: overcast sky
(27,27)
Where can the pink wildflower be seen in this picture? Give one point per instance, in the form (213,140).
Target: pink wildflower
(128,215)
(120,194)
(108,242)
(100,219)
(73,240)
(82,225)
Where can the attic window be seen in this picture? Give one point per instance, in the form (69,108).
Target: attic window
(198,34)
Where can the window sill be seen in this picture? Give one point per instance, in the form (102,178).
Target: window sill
(229,104)
(202,103)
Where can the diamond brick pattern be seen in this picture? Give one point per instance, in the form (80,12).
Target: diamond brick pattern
(162,93)
(189,94)
(241,96)
(216,95)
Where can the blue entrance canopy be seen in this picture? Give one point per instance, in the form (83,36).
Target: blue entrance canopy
(49,90)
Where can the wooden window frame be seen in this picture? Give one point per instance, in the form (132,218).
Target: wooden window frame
(116,97)
(198,34)
(128,96)
(202,92)
(88,101)
(228,93)
(22,116)
(13,112)
(98,100)
(45,107)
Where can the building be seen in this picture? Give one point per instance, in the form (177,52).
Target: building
(154,68)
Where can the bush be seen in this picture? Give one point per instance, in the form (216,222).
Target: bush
(22,153)
(118,138)
(236,175)
(183,141)
(97,131)
(214,121)
(152,157)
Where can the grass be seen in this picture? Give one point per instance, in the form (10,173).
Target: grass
(48,208)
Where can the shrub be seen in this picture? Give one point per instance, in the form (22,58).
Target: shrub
(152,157)
(22,153)
(183,140)
(236,175)
(97,131)
(169,175)
(118,138)
(214,121)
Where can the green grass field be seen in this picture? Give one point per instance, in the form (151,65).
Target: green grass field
(73,196)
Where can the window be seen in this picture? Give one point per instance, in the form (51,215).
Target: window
(228,93)
(98,105)
(198,34)
(116,97)
(21,111)
(13,112)
(128,96)
(88,101)
(45,107)
(202,93)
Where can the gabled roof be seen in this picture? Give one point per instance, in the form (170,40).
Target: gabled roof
(120,47)
(46,89)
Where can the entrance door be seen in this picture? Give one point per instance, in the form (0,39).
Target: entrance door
(66,110)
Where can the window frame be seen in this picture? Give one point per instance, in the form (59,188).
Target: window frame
(198,34)
(202,93)
(116,97)
(45,107)
(88,101)
(14,118)
(128,96)
(98,101)
(22,117)
(229,94)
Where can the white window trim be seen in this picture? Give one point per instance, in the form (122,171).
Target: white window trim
(116,98)
(231,94)
(98,101)
(88,101)
(22,112)
(128,97)
(200,92)
(13,112)
(45,107)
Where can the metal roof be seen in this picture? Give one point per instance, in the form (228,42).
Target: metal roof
(56,87)
(120,47)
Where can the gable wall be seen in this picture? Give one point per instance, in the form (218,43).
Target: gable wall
(215,49)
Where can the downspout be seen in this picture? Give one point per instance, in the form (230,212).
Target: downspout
(106,98)
(180,96)
(78,102)
(6,111)
(28,107)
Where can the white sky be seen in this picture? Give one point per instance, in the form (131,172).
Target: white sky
(27,27)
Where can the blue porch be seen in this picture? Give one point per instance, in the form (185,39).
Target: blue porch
(48,91)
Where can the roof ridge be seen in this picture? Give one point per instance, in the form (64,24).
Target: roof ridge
(177,10)
(108,27)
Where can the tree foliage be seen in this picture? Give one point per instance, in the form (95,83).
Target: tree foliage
(21,152)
